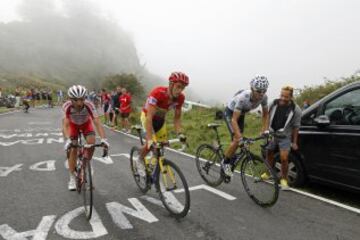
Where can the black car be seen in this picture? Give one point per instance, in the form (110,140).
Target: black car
(329,141)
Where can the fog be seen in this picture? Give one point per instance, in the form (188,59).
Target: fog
(220,44)
(68,41)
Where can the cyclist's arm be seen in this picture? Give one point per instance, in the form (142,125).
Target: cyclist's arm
(99,127)
(235,126)
(66,127)
(177,121)
(265,119)
(149,122)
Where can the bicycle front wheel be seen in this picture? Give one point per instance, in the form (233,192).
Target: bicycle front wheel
(263,192)
(138,170)
(173,189)
(208,164)
(87,189)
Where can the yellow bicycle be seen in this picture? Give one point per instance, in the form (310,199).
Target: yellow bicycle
(167,177)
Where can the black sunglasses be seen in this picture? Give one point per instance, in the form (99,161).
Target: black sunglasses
(260,91)
(77,99)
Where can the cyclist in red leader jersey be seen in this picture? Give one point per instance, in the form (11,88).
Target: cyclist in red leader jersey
(80,115)
(158,103)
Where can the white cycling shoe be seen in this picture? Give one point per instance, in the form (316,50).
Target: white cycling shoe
(72,183)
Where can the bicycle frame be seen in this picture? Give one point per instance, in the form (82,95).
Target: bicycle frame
(244,149)
(158,153)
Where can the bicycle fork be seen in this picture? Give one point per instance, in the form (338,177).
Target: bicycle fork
(166,171)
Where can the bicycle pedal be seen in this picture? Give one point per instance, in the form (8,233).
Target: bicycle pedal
(171,189)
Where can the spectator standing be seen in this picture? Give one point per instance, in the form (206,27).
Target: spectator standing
(284,119)
(125,109)
(17,97)
(60,97)
(116,106)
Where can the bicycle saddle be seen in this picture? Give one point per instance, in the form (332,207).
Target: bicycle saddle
(213,125)
(136,127)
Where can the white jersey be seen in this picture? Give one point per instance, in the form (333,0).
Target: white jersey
(241,102)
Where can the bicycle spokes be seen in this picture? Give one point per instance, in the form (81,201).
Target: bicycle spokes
(263,191)
(173,189)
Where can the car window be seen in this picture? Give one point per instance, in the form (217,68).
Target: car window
(345,109)
(309,118)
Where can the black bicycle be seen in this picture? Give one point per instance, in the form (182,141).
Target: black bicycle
(263,191)
(167,177)
(83,173)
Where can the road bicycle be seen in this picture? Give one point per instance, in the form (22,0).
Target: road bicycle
(263,192)
(83,172)
(167,177)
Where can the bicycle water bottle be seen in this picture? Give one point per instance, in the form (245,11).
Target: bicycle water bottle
(148,163)
(153,161)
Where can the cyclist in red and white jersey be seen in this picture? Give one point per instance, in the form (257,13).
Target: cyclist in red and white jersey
(79,116)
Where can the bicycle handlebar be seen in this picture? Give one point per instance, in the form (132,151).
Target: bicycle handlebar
(105,149)
(263,136)
(171,141)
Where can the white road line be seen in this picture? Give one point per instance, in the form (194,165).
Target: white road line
(314,196)
(329,201)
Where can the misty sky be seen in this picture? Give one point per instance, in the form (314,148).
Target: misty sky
(222,44)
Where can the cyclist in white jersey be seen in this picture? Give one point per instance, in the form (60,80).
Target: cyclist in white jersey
(238,106)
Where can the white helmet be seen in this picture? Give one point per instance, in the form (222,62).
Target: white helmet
(259,83)
(77,91)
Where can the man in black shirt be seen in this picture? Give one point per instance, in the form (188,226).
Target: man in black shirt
(284,118)
(116,106)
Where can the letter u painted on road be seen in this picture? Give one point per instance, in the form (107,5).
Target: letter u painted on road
(117,211)
(63,229)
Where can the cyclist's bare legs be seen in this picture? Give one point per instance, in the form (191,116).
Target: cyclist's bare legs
(90,139)
(144,152)
(232,148)
(72,158)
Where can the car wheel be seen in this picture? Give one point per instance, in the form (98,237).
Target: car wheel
(296,173)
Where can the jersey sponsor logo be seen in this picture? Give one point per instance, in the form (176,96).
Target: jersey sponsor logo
(152,101)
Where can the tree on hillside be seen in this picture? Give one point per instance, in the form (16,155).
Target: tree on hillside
(128,81)
(314,93)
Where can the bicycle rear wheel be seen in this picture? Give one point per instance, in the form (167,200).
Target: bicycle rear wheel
(138,170)
(263,192)
(87,189)
(208,164)
(173,189)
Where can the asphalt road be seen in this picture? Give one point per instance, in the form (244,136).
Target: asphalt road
(35,202)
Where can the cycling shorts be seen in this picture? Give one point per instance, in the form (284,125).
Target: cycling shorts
(87,129)
(159,128)
(228,118)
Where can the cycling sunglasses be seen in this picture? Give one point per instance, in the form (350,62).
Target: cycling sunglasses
(260,91)
(77,99)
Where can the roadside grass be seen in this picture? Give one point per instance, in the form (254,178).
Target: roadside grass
(5,109)
(194,125)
